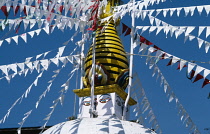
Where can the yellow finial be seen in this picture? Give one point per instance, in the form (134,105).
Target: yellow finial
(108,10)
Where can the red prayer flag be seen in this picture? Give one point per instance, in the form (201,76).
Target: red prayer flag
(61,9)
(148,42)
(24,11)
(157,47)
(17,30)
(142,39)
(192,74)
(128,31)
(198,77)
(4,10)
(169,63)
(179,66)
(39,1)
(95,8)
(94,14)
(206,81)
(49,17)
(163,56)
(16,9)
(124,28)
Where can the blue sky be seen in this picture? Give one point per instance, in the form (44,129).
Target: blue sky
(191,95)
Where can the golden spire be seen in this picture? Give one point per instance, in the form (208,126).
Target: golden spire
(111,69)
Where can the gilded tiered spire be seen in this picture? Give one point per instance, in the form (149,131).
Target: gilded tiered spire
(111,61)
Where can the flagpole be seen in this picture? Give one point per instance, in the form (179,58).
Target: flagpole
(81,70)
(131,65)
(92,79)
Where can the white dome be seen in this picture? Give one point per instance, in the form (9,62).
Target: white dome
(98,126)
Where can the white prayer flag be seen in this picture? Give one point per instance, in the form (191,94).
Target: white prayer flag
(172,11)
(157,21)
(178,11)
(159,28)
(1,41)
(32,21)
(38,56)
(192,9)
(207,31)
(142,47)
(15,38)
(187,10)
(200,9)
(165,11)
(189,30)
(174,60)
(200,42)
(182,63)
(152,28)
(207,45)
(38,31)
(151,19)
(35,82)
(60,50)
(45,63)
(3,68)
(8,40)
(198,70)
(46,29)
(25,22)
(13,67)
(31,33)
(200,30)
(207,9)
(191,37)
(190,67)
(24,37)
(55,61)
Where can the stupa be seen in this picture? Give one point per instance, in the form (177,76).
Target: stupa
(103,96)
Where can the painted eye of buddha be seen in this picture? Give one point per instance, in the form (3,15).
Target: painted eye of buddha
(86,103)
(105,100)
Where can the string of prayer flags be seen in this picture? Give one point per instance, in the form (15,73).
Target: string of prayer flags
(24,95)
(187,10)
(139,5)
(66,85)
(23,68)
(53,7)
(48,87)
(9,110)
(198,77)
(20,68)
(179,30)
(60,21)
(145,104)
(160,54)
(141,38)
(185,118)
(23,120)
(55,102)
